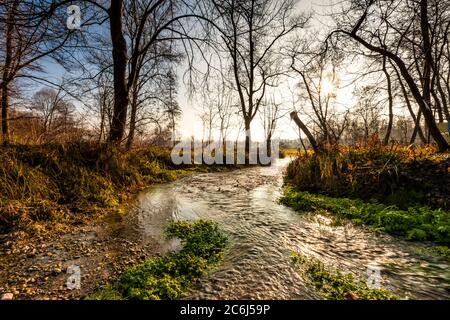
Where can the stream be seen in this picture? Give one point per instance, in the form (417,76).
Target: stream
(263,233)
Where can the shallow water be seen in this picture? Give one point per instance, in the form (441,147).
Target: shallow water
(263,233)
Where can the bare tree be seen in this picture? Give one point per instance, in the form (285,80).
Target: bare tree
(396,18)
(54,111)
(368,111)
(29,33)
(253,32)
(272,111)
(317,90)
(172,108)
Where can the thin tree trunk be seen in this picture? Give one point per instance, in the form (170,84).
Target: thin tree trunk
(444,101)
(132,132)
(173,131)
(5,107)
(305,129)
(120,64)
(269,145)
(247,123)
(390,99)
(417,128)
(102,122)
(6,74)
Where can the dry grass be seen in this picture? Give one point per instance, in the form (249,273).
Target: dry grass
(394,174)
(45,185)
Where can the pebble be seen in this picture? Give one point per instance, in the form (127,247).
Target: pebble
(7,296)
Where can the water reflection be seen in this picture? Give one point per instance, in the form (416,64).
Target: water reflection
(263,233)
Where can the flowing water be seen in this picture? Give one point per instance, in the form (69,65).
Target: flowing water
(263,233)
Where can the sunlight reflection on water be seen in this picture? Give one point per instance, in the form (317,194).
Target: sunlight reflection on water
(264,233)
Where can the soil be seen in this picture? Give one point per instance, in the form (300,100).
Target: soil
(36,268)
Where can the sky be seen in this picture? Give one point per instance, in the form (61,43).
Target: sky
(191,124)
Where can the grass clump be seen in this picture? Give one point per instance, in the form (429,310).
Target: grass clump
(80,179)
(443,251)
(171,276)
(394,175)
(415,223)
(334,285)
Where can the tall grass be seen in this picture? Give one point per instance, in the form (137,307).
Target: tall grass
(394,175)
(53,182)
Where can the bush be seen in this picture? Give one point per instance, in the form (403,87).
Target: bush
(392,175)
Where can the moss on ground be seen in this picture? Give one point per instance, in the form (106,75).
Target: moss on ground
(416,223)
(334,285)
(171,276)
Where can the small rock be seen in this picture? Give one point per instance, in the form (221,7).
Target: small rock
(7,296)
(351,296)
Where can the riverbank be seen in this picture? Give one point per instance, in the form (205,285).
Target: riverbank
(63,205)
(202,248)
(263,234)
(46,188)
(415,223)
(394,189)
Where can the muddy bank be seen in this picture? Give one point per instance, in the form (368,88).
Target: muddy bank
(37,268)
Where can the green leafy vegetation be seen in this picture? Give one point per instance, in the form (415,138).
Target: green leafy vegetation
(171,276)
(334,285)
(443,251)
(416,223)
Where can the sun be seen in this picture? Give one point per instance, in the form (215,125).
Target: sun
(326,87)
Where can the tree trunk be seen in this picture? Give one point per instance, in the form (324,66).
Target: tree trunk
(390,99)
(120,65)
(5,106)
(417,128)
(269,145)
(131,134)
(444,101)
(305,129)
(174,138)
(247,123)
(6,73)
(102,122)
(438,107)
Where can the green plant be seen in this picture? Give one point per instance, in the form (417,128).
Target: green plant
(171,276)
(334,285)
(415,223)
